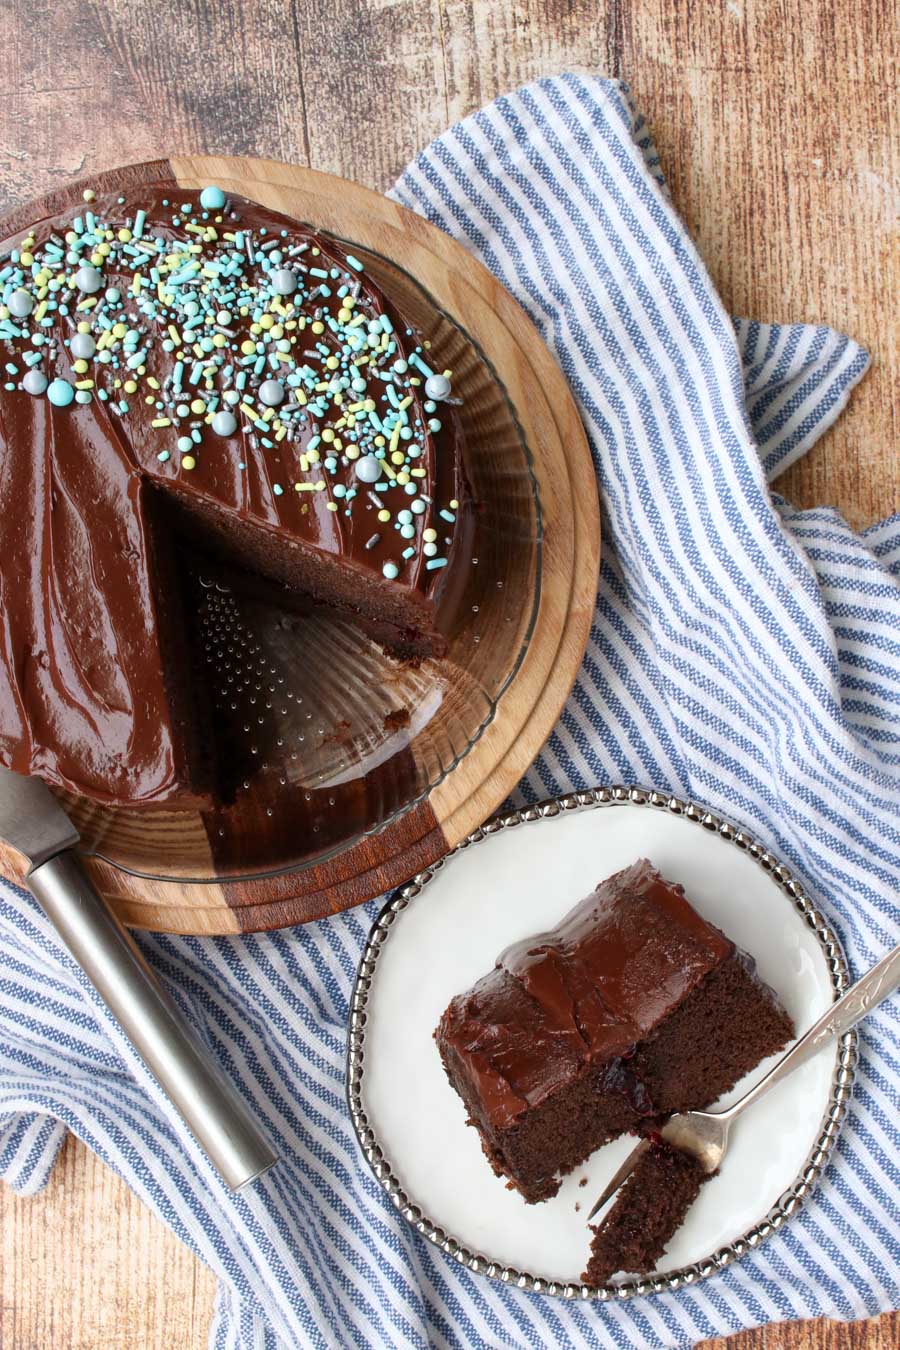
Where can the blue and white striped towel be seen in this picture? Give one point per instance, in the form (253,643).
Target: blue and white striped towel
(743,653)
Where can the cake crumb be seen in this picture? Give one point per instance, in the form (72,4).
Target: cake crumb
(583,1181)
(577,1207)
(396,719)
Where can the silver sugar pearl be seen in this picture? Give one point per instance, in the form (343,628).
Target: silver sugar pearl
(82,346)
(271,393)
(437,387)
(284,281)
(20,304)
(224,423)
(88,279)
(368,469)
(34,382)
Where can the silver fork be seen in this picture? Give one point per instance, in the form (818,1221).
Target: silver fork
(705,1133)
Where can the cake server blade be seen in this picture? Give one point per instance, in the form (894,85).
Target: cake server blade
(35,825)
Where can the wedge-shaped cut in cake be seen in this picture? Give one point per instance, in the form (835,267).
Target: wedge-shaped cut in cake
(633,1007)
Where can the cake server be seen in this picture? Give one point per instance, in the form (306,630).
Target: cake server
(33,822)
(705,1133)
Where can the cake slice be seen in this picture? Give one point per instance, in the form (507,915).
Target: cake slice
(632,1008)
(646,1214)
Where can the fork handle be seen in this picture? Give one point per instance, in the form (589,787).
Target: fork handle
(874,987)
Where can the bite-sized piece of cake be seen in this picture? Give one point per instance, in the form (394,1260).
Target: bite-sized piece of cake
(633,1007)
(646,1213)
(185,365)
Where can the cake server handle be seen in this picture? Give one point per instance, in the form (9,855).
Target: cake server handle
(209,1105)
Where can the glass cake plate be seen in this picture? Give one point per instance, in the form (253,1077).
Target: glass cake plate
(331,739)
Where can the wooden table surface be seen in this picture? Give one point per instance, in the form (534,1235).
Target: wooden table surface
(776,123)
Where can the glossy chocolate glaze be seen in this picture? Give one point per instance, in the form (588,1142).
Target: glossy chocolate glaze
(585,993)
(83,677)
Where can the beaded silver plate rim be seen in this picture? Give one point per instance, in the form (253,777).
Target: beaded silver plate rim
(789,1202)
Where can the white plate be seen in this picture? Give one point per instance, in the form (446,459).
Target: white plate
(434,940)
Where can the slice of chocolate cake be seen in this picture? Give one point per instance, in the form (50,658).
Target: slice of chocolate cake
(633,1007)
(646,1214)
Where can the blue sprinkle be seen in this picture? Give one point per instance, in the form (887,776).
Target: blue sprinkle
(277,489)
(354,263)
(448,515)
(434,564)
(213,199)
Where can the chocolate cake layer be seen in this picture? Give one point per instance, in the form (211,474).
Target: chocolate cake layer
(189,363)
(631,1008)
(646,1214)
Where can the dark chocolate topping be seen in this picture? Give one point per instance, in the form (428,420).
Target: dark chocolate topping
(587,991)
(83,678)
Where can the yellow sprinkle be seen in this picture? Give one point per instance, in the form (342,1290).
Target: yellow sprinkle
(153,382)
(163,422)
(188,462)
(352,452)
(248,411)
(198,406)
(130,386)
(318,326)
(454,505)
(89,303)
(404,403)
(397,457)
(320,486)
(332,506)
(125,235)
(327,434)
(403,478)
(304,463)
(248,347)
(84,384)
(344,315)
(119,330)
(417,473)
(379,441)
(281,433)
(80,367)
(355,407)
(40,311)
(304,487)
(104,250)
(97,258)
(331,363)
(219,339)
(391,473)
(173,334)
(137,283)
(395,437)
(384,516)
(27,258)
(429,536)
(313,456)
(300,397)
(266,321)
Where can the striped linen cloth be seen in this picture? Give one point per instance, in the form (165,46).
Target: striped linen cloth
(743,653)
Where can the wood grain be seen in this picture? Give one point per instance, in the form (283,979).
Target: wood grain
(776,121)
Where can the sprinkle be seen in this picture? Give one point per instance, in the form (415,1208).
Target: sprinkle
(188,462)
(384,516)
(448,516)
(352,262)
(434,564)
(277,489)
(390,570)
(373,540)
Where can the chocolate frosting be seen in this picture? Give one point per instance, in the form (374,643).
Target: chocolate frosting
(84,683)
(586,992)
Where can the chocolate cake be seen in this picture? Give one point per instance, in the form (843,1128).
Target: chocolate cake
(646,1213)
(632,1008)
(190,371)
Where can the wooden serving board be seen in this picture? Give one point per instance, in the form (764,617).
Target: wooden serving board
(548,421)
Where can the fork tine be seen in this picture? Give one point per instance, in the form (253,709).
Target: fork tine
(622,1175)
